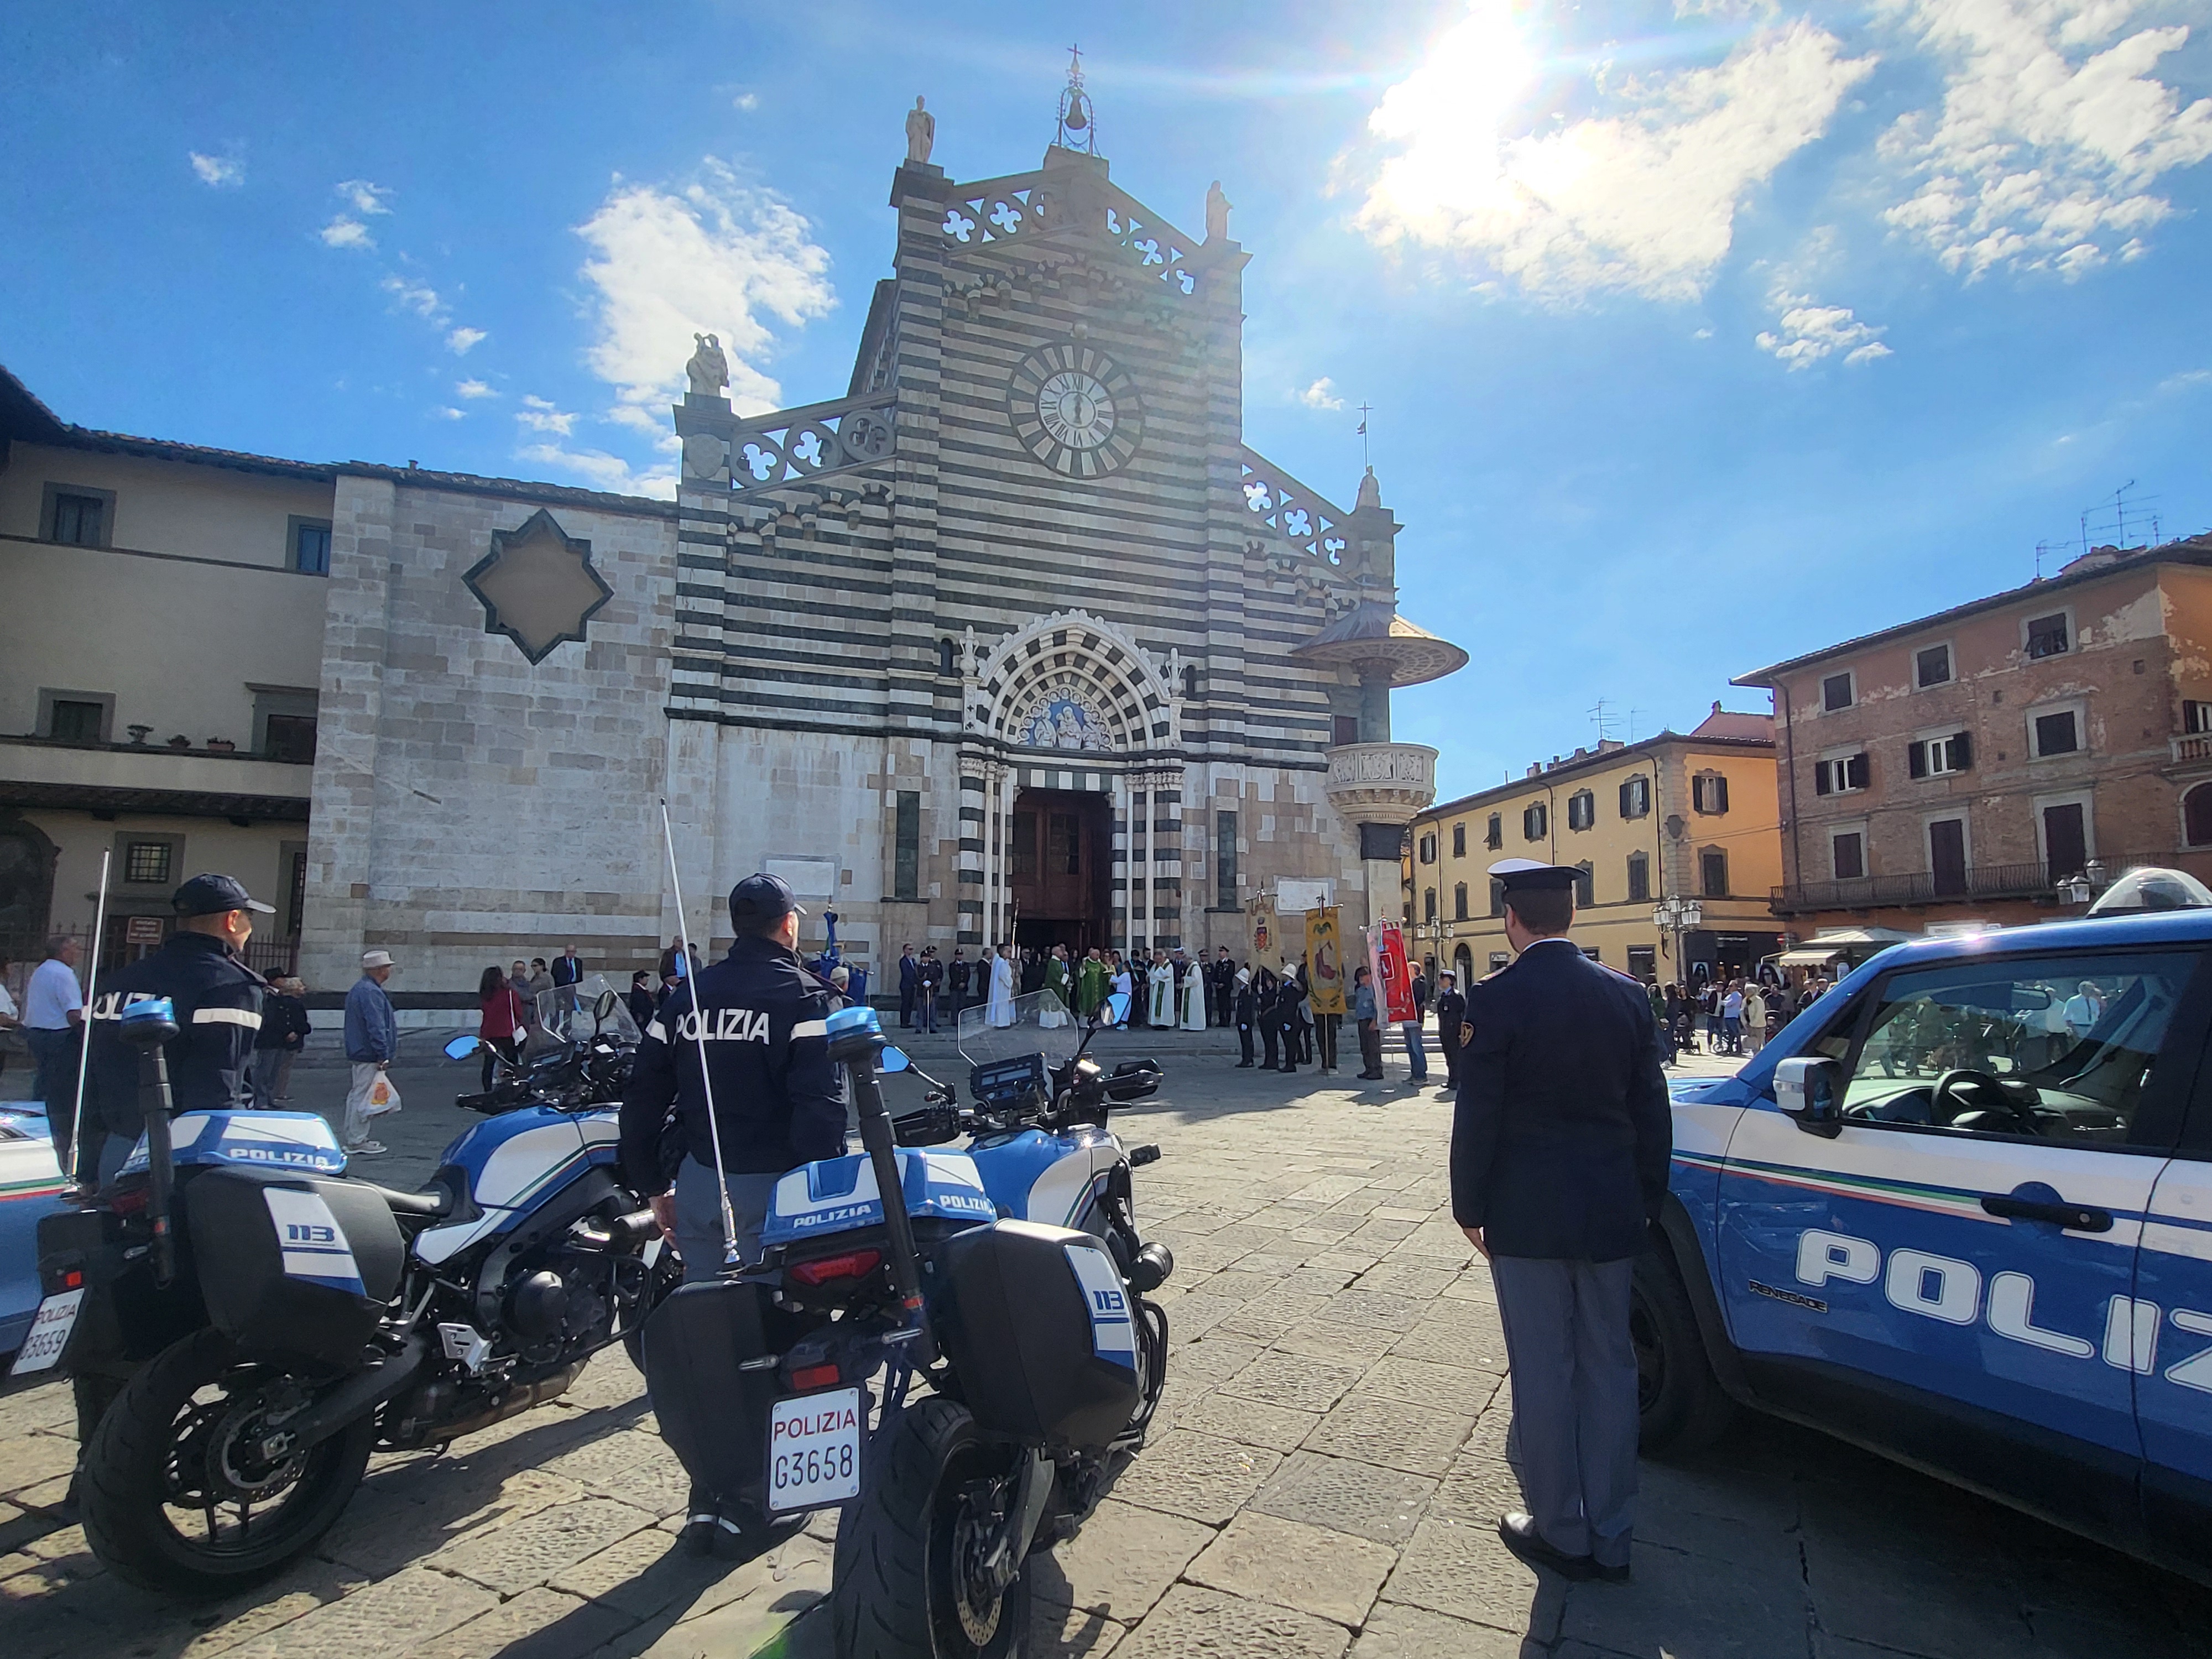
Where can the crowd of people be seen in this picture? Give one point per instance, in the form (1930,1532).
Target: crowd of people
(1728,1014)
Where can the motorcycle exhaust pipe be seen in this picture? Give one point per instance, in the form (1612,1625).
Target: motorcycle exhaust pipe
(513,1403)
(362,1392)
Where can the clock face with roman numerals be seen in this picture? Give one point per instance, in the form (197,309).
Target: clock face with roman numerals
(1076,409)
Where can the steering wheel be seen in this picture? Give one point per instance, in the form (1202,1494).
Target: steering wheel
(1953,1086)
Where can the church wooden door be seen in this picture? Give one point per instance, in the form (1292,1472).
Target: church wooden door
(1058,858)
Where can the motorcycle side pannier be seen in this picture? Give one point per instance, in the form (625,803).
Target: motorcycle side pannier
(292,1264)
(1041,1331)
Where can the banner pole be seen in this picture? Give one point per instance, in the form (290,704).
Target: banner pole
(84,1037)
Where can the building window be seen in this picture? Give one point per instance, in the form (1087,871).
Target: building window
(1459,840)
(1639,877)
(147,861)
(1459,901)
(2047,636)
(1708,793)
(290,738)
(1493,833)
(1842,775)
(1582,810)
(1428,904)
(2058,733)
(1712,872)
(1535,822)
(1932,666)
(947,665)
(1585,885)
(906,858)
(1947,856)
(2196,717)
(309,552)
(1498,959)
(1344,728)
(2065,839)
(1847,854)
(1644,961)
(1190,683)
(77,722)
(1635,796)
(1938,757)
(1429,847)
(2196,816)
(78,517)
(1836,692)
(1497,896)
(1225,860)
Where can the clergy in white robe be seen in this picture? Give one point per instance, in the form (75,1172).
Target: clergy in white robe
(1193,992)
(999,1009)
(1160,983)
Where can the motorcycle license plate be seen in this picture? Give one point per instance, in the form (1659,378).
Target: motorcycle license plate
(814,1450)
(49,1334)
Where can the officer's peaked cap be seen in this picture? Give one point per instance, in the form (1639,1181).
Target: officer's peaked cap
(760,898)
(210,896)
(1527,875)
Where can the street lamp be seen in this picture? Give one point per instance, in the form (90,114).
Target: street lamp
(1676,914)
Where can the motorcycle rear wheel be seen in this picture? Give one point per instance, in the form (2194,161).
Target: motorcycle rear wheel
(148,1467)
(895,1586)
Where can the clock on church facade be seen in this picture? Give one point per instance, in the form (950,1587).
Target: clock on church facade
(1076,409)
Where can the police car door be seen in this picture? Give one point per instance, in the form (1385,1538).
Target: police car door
(1952,1273)
(2173,1331)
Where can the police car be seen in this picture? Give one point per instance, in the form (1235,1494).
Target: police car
(1959,1212)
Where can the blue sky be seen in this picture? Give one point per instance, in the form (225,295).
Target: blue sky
(1697,334)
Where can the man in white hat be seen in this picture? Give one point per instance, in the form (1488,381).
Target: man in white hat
(372,1044)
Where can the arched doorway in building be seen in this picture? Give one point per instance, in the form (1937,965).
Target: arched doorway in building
(1060,868)
(27,888)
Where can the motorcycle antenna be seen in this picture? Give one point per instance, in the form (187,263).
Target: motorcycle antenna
(84,1048)
(699,1037)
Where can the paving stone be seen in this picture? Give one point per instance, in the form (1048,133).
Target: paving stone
(1424,1284)
(393,1616)
(50,1406)
(1396,1434)
(646,1573)
(1067,1633)
(1360,1498)
(1466,1572)
(35,1459)
(19,1525)
(748,1624)
(1191,1316)
(1455,1333)
(513,1558)
(1297,1381)
(1121,1563)
(1377,1308)
(538,1624)
(1450,1388)
(1267,1317)
(1215,1358)
(1199,1476)
(638,1469)
(1195,1623)
(1233,1417)
(1403,1632)
(1383,1235)
(1478,1489)
(1358,1346)
(1672,1599)
(1333,1575)
(206,1630)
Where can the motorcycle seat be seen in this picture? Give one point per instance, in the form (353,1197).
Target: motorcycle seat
(431,1205)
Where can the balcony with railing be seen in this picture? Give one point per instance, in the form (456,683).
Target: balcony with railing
(1925,887)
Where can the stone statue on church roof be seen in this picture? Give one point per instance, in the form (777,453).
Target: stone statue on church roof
(708,371)
(920,132)
(1217,213)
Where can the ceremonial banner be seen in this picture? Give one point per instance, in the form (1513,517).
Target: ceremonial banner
(1394,985)
(1263,938)
(1324,962)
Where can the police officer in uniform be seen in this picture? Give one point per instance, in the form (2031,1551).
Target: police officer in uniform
(1560,1143)
(217,1000)
(759,1014)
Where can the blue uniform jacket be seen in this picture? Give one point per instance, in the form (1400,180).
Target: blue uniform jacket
(776,1095)
(1563,1132)
(218,1010)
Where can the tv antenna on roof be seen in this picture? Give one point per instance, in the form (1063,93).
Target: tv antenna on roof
(2101,520)
(1601,717)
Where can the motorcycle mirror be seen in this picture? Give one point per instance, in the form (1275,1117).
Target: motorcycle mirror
(462,1046)
(1117,1007)
(603,1005)
(893,1060)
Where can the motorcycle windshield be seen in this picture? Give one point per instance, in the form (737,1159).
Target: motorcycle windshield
(574,1013)
(1039,1022)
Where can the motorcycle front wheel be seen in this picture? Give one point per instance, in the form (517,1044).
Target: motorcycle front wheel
(899,1585)
(176,1496)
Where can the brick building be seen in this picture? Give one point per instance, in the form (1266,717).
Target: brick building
(1957,767)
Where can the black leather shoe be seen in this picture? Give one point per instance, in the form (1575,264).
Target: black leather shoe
(1606,1575)
(1518,1533)
(697,1537)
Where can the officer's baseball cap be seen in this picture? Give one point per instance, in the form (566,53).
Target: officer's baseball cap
(210,896)
(762,898)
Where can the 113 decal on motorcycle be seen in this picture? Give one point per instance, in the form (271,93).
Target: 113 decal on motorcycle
(314,1245)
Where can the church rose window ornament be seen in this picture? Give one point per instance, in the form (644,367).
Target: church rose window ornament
(1293,511)
(1075,410)
(537,585)
(993,214)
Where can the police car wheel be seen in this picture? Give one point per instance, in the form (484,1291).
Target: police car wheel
(1681,1403)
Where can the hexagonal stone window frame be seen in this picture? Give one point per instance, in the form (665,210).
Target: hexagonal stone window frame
(537,585)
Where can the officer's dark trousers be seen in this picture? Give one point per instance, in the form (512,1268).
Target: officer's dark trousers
(1267,1036)
(1447,1042)
(1370,1049)
(1574,1398)
(699,1217)
(1244,1042)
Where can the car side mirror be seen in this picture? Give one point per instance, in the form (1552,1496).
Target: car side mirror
(462,1046)
(1811,1090)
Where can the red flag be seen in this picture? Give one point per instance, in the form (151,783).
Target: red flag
(1394,983)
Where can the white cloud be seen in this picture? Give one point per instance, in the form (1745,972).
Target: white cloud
(1808,332)
(601,471)
(365,198)
(2051,133)
(746,101)
(449,413)
(472,389)
(462,340)
(418,297)
(342,232)
(217,170)
(716,258)
(540,416)
(1644,197)
(1322,394)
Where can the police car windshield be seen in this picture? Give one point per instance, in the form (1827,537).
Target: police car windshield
(1039,1022)
(568,1012)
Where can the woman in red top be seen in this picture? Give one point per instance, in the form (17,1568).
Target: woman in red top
(504,1017)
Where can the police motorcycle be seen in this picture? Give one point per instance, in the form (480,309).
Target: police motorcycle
(577,1052)
(1002,1305)
(244,1324)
